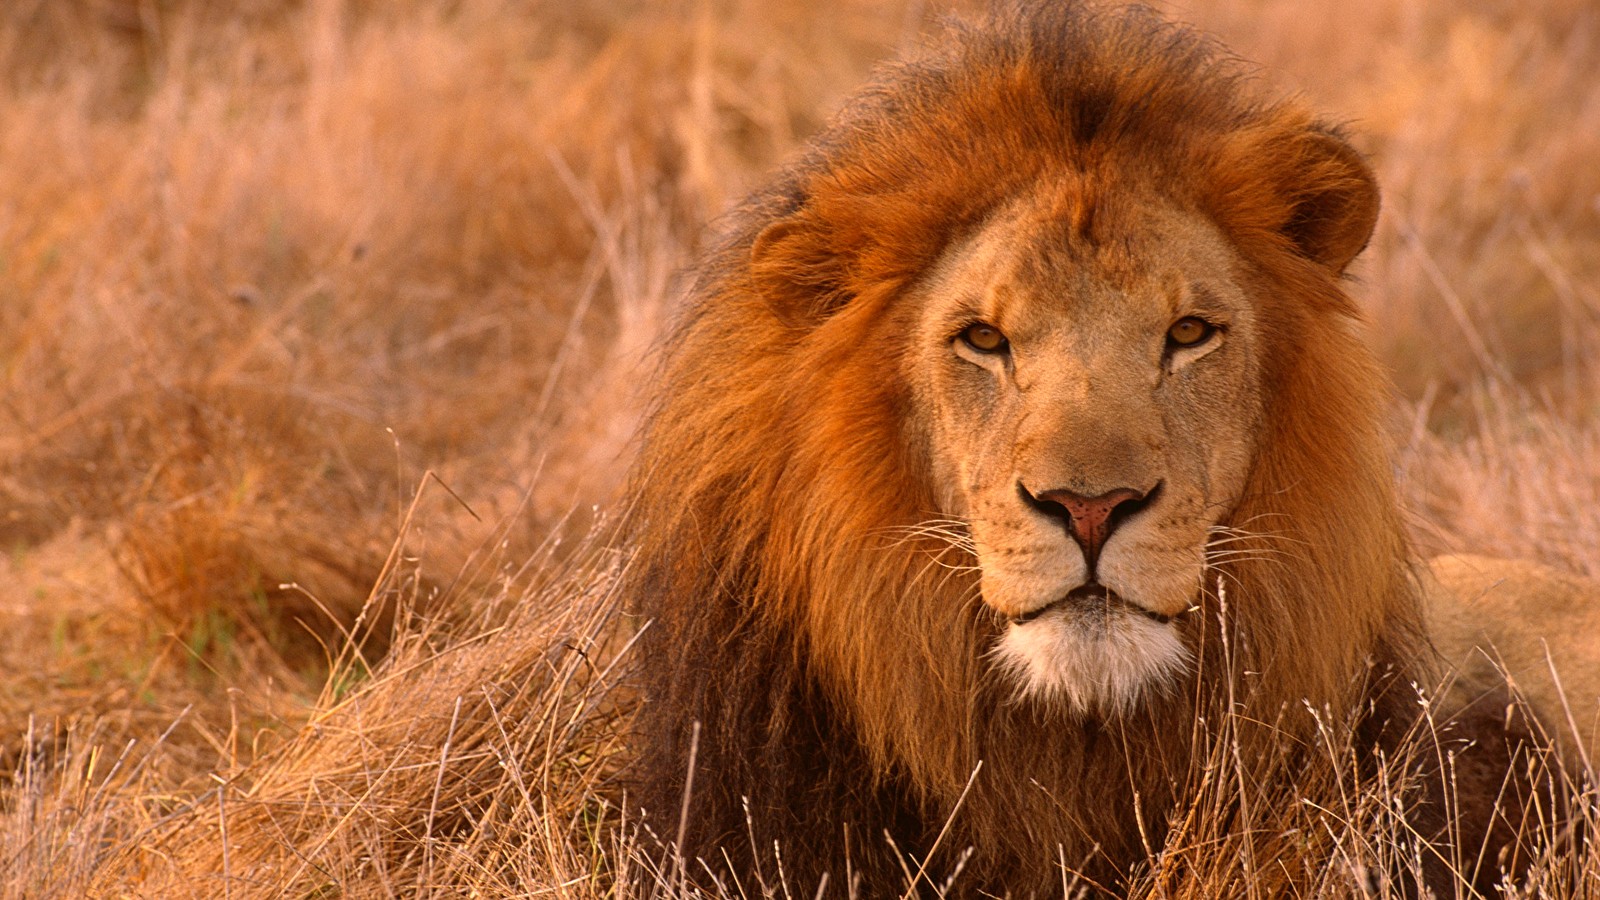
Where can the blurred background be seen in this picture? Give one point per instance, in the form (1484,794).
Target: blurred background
(299,298)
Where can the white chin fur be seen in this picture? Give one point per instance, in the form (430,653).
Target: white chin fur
(1095,664)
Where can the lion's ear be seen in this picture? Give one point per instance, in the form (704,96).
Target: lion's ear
(1299,182)
(1334,200)
(794,267)
(770,240)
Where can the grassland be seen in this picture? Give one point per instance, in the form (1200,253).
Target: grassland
(321,337)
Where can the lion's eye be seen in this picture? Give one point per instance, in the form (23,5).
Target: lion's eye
(1190,331)
(984,338)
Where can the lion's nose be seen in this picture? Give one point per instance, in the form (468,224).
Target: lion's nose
(1090,520)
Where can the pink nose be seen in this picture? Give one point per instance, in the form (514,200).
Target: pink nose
(1090,520)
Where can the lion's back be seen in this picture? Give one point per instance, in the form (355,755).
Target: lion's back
(1539,625)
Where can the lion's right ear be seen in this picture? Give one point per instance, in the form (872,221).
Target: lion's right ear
(795,268)
(770,242)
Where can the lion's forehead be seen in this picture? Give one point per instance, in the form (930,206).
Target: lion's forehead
(1031,274)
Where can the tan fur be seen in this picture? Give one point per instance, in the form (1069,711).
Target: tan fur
(1492,618)
(830,532)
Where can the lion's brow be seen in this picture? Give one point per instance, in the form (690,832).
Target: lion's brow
(1200,296)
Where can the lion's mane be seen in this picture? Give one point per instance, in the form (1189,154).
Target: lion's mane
(821,668)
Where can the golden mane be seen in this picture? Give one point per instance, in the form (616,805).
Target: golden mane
(832,655)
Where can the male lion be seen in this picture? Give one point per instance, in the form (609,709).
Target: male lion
(1022,420)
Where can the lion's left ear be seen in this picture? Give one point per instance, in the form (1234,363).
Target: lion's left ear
(1334,200)
(1297,181)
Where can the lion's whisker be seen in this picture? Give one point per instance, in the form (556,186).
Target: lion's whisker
(1222,534)
(1228,552)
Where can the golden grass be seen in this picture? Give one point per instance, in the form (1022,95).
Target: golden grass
(263,266)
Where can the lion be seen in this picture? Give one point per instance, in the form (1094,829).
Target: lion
(1505,619)
(1019,424)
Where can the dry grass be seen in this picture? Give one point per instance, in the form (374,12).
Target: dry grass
(263,266)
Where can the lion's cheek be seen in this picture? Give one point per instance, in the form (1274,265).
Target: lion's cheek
(1224,446)
(1165,580)
(1022,568)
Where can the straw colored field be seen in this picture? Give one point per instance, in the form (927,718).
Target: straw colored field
(321,328)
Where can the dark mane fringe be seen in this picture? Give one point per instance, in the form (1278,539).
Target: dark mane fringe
(835,667)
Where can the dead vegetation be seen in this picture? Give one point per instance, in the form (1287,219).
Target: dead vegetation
(321,327)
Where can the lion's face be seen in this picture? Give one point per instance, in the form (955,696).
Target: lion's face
(1089,407)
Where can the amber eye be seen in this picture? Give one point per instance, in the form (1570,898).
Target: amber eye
(984,338)
(1190,331)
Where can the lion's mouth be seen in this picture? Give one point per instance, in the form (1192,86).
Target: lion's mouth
(1091,598)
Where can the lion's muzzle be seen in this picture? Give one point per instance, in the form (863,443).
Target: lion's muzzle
(1090,598)
(1090,520)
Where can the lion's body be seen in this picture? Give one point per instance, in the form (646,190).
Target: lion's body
(1493,618)
(852,608)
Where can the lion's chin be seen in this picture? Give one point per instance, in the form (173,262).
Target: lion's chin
(1100,661)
